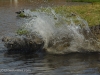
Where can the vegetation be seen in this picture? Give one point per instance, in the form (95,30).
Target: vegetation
(89,12)
(21,15)
(22,31)
(84,0)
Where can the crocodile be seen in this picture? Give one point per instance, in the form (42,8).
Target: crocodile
(34,43)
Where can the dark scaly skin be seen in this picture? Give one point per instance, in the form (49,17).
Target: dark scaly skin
(22,44)
(96,31)
(34,43)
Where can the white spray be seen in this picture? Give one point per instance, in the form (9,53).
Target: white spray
(60,34)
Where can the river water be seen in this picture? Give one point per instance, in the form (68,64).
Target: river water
(40,64)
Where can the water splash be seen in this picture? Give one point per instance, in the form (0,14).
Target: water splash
(61,34)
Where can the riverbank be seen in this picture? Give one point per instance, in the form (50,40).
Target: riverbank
(84,0)
(89,12)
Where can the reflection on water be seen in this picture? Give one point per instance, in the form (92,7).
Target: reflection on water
(41,64)
(15,2)
(70,64)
